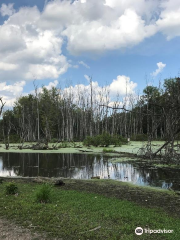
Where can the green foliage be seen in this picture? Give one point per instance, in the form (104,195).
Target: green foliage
(104,139)
(64,144)
(139,137)
(108,150)
(54,140)
(11,188)
(14,138)
(43,193)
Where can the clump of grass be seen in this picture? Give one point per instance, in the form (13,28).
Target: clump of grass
(43,193)
(11,188)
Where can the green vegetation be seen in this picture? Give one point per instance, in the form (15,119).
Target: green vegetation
(80,215)
(11,188)
(104,139)
(43,193)
(139,137)
(167,165)
(105,150)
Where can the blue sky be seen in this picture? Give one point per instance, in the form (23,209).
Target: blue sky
(120,44)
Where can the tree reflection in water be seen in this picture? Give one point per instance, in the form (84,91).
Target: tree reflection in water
(84,166)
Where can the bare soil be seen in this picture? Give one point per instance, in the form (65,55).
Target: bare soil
(10,231)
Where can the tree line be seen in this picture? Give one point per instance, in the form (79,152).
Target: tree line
(59,115)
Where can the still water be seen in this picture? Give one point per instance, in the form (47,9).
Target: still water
(83,166)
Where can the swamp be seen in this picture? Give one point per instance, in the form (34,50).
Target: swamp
(87,170)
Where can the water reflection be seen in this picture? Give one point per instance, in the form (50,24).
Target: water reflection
(82,166)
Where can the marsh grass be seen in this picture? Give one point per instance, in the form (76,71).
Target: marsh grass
(72,214)
(105,150)
(11,188)
(44,193)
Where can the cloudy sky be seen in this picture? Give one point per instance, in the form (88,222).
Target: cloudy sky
(123,44)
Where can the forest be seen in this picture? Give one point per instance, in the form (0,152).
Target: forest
(57,115)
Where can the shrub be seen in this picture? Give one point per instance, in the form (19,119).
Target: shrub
(139,137)
(54,140)
(64,144)
(11,188)
(43,193)
(104,139)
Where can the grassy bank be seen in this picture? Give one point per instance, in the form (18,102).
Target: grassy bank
(80,214)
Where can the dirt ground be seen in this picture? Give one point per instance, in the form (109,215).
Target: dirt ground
(10,231)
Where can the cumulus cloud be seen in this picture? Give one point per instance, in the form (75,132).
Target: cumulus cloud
(7,9)
(160,68)
(86,26)
(169,23)
(7,66)
(84,64)
(120,88)
(33,53)
(10,92)
(126,31)
(100,25)
(49,87)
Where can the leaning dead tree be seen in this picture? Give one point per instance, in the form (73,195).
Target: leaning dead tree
(2,106)
(160,111)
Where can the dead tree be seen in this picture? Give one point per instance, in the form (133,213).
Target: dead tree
(2,106)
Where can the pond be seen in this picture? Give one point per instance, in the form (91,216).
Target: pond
(84,166)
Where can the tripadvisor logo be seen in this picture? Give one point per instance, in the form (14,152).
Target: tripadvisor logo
(138,231)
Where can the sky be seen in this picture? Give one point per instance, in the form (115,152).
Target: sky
(124,45)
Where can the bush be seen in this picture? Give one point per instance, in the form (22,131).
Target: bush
(44,193)
(104,139)
(64,144)
(11,188)
(54,140)
(139,137)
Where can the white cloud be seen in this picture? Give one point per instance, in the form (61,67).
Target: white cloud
(75,66)
(108,94)
(126,31)
(84,64)
(122,86)
(49,86)
(7,9)
(10,92)
(87,77)
(89,26)
(169,19)
(33,53)
(7,66)
(52,84)
(160,68)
